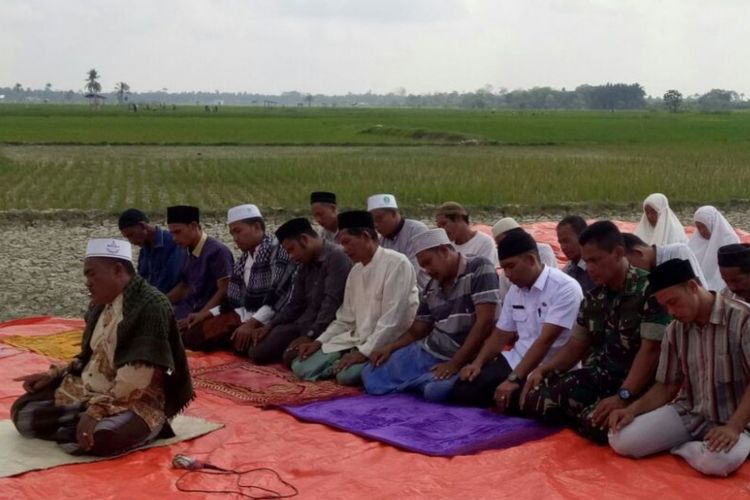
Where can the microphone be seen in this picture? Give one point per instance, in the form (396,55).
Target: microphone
(181,461)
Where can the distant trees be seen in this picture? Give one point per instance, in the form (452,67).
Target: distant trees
(92,82)
(672,100)
(17,88)
(309,100)
(122,90)
(718,100)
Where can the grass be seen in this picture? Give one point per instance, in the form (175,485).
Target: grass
(49,158)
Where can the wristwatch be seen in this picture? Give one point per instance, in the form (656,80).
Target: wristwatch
(624,394)
(513,377)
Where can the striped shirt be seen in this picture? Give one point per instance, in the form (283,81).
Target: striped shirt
(711,362)
(452,313)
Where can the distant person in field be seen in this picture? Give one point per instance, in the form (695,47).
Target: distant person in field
(616,339)
(131,376)
(536,318)
(205,272)
(712,231)
(649,256)
(455,315)
(568,231)
(317,293)
(380,301)
(160,258)
(396,232)
(454,219)
(259,286)
(659,225)
(734,266)
(325,212)
(699,407)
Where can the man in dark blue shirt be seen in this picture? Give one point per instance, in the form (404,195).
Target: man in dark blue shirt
(160,259)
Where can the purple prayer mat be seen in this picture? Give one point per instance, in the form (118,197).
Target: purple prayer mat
(409,422)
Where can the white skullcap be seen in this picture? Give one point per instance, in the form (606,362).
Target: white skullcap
(503,226)
(381,201)
(430,239)
(242,212)
(110,248)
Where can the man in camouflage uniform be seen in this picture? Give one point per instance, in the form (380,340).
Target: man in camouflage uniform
(617,338)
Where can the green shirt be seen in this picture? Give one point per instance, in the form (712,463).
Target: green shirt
(615,321)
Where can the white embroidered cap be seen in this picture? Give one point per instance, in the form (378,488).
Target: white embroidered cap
(503,226)
(430,239)
(381,201)
(242,212)
(111,248)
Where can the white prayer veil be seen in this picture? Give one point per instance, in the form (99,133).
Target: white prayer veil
(706,250)
(668,228)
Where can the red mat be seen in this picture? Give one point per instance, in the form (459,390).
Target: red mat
(245,383)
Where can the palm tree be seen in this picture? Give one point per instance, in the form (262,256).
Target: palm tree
(17,87)
(92,84)
(47,87)
(123,90)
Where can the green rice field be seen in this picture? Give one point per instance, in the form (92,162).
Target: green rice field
(80,158)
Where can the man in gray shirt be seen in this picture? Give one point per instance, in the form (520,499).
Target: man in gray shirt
(396,232)
(317,293)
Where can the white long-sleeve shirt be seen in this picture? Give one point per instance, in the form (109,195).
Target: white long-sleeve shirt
(380,302)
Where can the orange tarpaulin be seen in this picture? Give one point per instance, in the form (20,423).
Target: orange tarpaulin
(324,463)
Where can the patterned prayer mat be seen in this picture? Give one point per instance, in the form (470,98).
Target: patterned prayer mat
(63,346)
(411,423)
(246,383)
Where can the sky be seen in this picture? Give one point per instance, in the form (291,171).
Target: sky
(338,46)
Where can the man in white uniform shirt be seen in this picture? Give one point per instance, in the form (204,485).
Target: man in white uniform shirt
(540,309)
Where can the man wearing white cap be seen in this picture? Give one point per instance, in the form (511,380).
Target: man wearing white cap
(131,376)
(396,232)
(455,315)
(259,286)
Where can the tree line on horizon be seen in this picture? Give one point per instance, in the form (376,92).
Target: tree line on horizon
(609,96)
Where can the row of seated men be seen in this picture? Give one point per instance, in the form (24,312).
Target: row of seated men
(645,358)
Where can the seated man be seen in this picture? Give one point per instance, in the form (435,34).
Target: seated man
(455,220)
(205,272)
(704,358)
(734,267)
(568,231)
(380,300)
(160,259)
(455,315)
(649,256)
(617,337)
(509,224)
(131,376)
(317,293)
(260,284)
(537,315)
(325,212)
(396,232)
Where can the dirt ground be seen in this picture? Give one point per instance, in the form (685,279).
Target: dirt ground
(41,269)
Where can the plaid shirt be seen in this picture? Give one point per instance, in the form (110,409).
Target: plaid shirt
(711,362)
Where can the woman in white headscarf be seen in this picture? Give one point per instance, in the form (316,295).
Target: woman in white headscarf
(712,232)
(659,225)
